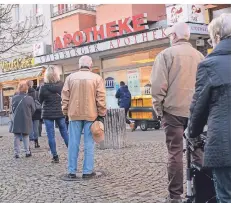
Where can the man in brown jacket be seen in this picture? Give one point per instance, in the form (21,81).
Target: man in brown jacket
(83,101)
(173,80)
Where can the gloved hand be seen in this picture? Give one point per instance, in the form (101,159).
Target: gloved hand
(100,118)
(195,142)
(159,118)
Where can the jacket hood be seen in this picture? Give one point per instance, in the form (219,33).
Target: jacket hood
(125,87)
(31,89)
(53,87)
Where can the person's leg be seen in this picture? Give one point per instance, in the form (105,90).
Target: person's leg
(49,125)
(63,129)
(31,135)
(174,130)
(36,132)
(17,144)
(126,114)
(26,144)
(40,127)
(75,130)
(222,183)
(89,144)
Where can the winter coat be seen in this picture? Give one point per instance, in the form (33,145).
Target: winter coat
(22,118)
(50,98)
(124,97)
(173,79)
(212,104)
(34,94)
(84,96)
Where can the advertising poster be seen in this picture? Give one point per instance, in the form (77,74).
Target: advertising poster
(134,82)
(145,73)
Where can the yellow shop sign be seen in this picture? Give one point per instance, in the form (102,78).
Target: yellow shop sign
(17,64)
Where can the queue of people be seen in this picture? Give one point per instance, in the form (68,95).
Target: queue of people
(188,90)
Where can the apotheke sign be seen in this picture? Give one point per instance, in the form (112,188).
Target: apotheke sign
(109,30)
(103,46)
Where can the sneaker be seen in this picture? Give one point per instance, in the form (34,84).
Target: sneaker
(55,159)
(16,156)
(28,155)
(88,176)
(71,176)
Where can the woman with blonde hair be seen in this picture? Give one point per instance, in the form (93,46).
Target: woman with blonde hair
(23,107)
(50,98)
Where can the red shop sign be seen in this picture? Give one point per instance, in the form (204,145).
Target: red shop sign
(109,30)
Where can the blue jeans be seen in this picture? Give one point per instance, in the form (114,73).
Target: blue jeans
(50,129)
(35,132)
(75,131)
(222,182)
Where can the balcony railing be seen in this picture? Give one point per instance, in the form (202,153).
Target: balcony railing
(68,8)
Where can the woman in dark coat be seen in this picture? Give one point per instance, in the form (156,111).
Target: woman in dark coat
(23,107)
(50,98)
(36,116)
(212,104)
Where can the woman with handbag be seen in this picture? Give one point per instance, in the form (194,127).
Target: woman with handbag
(36,116)
(49,97)
(23,107)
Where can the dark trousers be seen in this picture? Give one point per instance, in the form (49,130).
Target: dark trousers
(174,127)
(40,127)
(126,113)
(222,183)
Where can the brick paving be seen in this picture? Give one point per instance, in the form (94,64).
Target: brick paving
(133,174)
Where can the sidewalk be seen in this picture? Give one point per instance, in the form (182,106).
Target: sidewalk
(134,174)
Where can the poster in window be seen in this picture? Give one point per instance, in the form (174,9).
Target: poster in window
(134,82)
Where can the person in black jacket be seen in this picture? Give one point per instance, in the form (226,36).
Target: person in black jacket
(50,98)
(36,116)
(211,105)
(41,120)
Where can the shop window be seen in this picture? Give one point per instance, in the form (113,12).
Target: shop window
(141,57)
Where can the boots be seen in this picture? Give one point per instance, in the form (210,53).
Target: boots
(36,144)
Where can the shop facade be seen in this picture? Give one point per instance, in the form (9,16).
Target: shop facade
(13,72)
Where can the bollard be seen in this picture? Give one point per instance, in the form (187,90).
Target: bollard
(114,130)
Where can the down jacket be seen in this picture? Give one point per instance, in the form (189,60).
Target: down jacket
(50,98)
(212,104)
(124,96)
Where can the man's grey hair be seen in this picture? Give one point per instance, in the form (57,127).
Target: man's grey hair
(52,75)
(30,83)
(85,61)
(220,26)
(182,31)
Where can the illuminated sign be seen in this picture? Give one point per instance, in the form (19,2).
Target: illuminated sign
(17,64)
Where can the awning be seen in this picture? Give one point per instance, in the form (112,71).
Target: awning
(22,74)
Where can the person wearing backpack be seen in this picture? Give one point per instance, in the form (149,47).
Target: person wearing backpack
(36,116)
(124,97)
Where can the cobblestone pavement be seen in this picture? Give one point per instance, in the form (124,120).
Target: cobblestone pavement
(133,174)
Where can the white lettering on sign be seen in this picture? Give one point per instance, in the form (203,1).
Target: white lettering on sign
(103,46)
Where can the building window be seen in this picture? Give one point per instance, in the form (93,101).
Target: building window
(217,13)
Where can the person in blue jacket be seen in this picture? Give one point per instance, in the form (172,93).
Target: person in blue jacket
(124,101)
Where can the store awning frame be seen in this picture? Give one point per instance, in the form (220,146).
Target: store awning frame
(22,74)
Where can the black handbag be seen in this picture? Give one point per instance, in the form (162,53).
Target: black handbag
(11,123)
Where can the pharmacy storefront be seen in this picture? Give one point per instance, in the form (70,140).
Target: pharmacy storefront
(121,51)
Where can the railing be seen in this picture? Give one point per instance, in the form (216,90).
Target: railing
(67,8)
